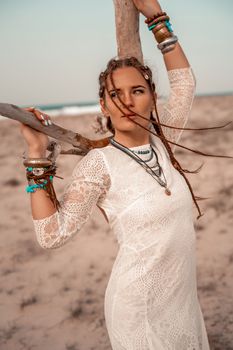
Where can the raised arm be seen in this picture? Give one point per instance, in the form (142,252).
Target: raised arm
(181,78)
(89,185)
(177,108)
(173,59)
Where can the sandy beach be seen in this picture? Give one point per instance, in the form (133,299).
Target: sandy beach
(54,299)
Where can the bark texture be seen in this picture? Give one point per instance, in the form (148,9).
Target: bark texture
(127,29)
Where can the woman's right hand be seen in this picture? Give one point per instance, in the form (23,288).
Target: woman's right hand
(37,142)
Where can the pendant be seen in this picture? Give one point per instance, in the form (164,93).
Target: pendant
(167,191)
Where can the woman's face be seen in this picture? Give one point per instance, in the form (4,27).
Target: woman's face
(134,91)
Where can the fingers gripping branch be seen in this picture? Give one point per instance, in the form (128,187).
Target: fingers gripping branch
(82,145)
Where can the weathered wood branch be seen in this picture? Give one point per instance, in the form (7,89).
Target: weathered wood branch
(127,29)
(82,144)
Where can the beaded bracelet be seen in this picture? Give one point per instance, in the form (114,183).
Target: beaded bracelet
(157,15)
(162,30)
(40,181)
(153,24)
(161,27)
(40,173)
(166,23)
(31,188)
(37,171)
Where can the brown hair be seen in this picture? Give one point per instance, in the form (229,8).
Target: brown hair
(146,72)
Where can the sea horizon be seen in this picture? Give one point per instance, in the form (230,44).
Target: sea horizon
(85,107)
(93,104)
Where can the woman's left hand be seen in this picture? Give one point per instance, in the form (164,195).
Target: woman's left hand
(147,7)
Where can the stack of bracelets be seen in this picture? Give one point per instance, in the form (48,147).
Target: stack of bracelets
(40,173)
(161,28)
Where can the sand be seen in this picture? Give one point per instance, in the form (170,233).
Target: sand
(54,299)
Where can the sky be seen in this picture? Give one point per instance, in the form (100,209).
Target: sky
(52,51)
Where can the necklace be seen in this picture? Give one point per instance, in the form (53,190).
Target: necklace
(156,171)
(142,152)
(156,167)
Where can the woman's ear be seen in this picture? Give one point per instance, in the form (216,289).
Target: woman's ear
(102,107)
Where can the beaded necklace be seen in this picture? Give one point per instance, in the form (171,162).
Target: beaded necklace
(143,152)
(156,171)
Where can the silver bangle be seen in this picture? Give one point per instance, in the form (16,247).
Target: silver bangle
(167,42)
(168,48)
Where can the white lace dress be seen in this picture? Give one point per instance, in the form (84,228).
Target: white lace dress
(151,299)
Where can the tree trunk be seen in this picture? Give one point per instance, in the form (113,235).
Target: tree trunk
(127,29)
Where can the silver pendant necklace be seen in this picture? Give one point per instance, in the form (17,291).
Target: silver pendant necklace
(155,173)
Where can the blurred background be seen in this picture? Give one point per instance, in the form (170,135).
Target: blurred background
(51,55)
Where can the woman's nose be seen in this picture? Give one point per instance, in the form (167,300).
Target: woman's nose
(128,100)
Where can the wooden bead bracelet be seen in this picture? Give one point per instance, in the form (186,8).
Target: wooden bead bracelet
(157,15)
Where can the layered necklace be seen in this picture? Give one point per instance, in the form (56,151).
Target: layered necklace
(155,170)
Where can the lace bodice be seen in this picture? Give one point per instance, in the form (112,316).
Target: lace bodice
(151,298)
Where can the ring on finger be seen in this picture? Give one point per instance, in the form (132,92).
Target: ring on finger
(46,121)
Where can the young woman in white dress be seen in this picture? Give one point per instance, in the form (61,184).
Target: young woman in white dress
(151,299)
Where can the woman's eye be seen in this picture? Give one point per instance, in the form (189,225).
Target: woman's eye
(138,91)
(113,94)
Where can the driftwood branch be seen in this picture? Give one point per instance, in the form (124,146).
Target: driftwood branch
(82,144)
(127,29)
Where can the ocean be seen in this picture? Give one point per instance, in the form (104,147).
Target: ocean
(69,109)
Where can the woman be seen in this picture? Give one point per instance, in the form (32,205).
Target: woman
(151,299)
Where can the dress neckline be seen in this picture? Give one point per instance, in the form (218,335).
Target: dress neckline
(141,147)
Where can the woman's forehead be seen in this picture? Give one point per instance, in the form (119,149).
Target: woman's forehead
(126,76)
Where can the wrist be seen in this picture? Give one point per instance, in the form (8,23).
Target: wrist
(152,11)
(32,153)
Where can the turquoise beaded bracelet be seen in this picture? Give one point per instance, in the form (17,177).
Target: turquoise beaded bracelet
(31,188)
(167,23)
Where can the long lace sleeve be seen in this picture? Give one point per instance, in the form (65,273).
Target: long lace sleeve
(178,106)
(90,182)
